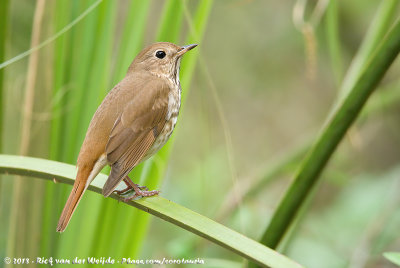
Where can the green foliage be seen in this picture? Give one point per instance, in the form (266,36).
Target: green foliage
(393,257)
(3,35)
(332,133)
(90,56)
(158,206)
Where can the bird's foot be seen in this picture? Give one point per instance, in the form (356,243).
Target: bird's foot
(139,192)
(134,191)
(124,191)
(140,195)
(129,187)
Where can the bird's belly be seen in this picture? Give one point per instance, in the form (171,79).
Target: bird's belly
(172,116)
(162,138)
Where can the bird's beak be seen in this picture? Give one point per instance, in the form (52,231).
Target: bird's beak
(185,49)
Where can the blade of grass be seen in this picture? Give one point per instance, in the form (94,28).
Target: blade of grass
(333,40)
(333,131)
(377,30)
(61,61)
(171,22)
(132,37)
(3,37)
(197,27)
(4,15)
(20,207)
(394,257)
(51,39)
(157,206)
(82,93)
(52,195)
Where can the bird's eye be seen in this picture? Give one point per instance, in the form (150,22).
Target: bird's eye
(160,54)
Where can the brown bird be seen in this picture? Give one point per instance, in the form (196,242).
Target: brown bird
(133,122)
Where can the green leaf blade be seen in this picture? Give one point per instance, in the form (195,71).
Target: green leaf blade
(157,206)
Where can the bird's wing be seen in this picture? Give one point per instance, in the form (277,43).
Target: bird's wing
(135,131)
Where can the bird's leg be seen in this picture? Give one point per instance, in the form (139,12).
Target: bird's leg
(126,190)
(128,182)
(139,192)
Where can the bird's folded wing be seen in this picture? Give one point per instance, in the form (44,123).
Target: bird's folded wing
(135,131)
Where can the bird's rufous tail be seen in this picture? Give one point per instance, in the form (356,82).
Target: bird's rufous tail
(74,197)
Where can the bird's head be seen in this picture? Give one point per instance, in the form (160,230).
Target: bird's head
(161,59)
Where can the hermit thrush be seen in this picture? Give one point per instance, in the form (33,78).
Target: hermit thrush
(132,123)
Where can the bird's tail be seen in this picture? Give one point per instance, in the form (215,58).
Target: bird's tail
(73,199)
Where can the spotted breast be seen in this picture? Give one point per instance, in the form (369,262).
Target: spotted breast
(174,103)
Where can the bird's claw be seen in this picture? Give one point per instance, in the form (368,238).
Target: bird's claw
(139,194)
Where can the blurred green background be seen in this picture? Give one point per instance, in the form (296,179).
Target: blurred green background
(256,91)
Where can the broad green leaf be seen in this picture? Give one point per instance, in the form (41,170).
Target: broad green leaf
(157,206)
(393,257)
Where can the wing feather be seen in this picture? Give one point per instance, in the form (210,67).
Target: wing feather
(135,131)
